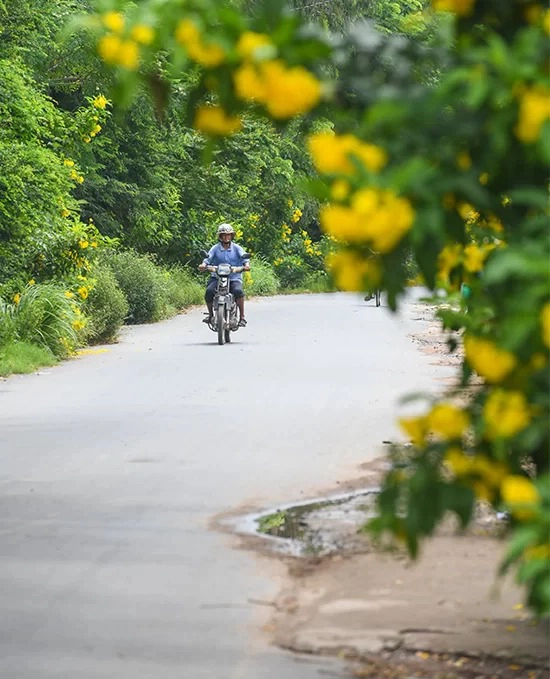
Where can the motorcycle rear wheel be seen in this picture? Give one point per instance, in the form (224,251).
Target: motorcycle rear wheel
(377,295)
(220,317)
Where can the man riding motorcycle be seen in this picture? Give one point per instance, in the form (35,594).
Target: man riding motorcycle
(226,251)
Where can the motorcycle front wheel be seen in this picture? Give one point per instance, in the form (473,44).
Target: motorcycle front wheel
(220,318)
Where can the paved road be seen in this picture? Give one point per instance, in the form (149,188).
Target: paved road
(112,465)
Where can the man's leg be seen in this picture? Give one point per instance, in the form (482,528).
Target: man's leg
(209,298)
(238,293)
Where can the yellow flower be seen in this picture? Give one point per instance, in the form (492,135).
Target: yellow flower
(83,244)
(339,190)
(331,153)
(506,413)
(209,55)
(109,48)
(97,129)
(119,52)
(114,21)
(249,85)
(83,291)
(128,56)
(94,244)
(65,212)
(214,121)
(416,428)
(187,32)
(545,322)
(68,162)
(143,34)
(289,91)
(448,259)
(484,178)
(537,552)
(534,110)
(463,161)
(448,421)
(474,256)
(100,102)
(78,325)
(250,42)
(86,139)
(17,298)
(31,282)
(462,8)
(69,294)
(487,359)
(352,272)
(342,223)
(521,496)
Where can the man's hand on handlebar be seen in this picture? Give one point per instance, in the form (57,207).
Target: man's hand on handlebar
(202,267)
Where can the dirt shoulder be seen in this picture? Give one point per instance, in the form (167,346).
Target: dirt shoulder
(444,616)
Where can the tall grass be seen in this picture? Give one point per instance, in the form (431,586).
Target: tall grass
(44,316)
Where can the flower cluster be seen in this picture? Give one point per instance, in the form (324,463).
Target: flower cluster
(534,111)
(119,46)
(205,53)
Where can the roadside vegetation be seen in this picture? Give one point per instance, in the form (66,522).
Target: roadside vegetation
(348,155)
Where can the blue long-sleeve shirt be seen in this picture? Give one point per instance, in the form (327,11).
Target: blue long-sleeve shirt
(233,256)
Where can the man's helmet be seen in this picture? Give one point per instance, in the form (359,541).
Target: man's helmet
(226,228)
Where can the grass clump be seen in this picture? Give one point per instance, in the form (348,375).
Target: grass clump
(22,357)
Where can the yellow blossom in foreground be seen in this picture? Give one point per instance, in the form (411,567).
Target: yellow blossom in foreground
(537,552)
(534,110)
(249,42)
(448,259)
(114,21)
(289,91)
(214,121)
(416,428)
(188,35)
(109,48)
(100,102)
(464,161)
(448,421)
(352,272)
(119,52)
(487,359)
(332,153)
(460,7)
(521,496)
(506,413)
(143,34)
(83,291)
(339,190)
(377,217)
(474,256)
(545,322)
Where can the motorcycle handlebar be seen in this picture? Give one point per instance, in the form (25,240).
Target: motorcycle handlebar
(214,269)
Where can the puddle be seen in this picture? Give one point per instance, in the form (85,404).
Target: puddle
(319,526)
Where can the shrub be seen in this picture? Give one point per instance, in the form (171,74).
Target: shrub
(7,322)
(106,307)
(182,288)
(291,271)
(44,315)
(142,283)
(261,280)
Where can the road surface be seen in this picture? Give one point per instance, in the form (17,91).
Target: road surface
(113,464)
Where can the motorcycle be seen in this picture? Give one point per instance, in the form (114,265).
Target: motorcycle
(224,319)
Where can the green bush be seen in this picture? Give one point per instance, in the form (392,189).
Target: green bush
(261,280)
(182,288)
(291,271)
(7,322)
(106,307)
(318,281)
(143,285)
(44,315)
